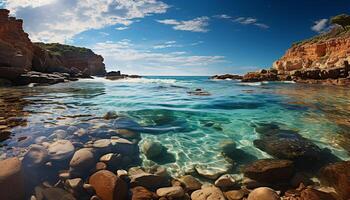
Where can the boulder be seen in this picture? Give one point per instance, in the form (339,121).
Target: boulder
(171,192)
(108,186)
(152,149)
(234,194)
(83,160)
(141,193)
(208,193)
(190,183)
(211,172)
(225,181)
(53,194)
(149,181)
(270,170)
(36,156)
(61,150)
(263,193)
(288,144)
(337,175)
(11,179)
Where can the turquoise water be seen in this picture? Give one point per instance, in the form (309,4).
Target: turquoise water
(201,123)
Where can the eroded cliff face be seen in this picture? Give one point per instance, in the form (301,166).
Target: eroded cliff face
(18,55)
(16,49)
(318,53)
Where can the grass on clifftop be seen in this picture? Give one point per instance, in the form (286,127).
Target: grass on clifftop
(61,49)
(336,32)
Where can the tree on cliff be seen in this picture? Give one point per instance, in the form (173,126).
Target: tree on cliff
(343,20)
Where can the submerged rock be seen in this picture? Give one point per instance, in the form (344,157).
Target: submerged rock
(211,172)
(312,194)
(53,194)
(263,193)
(36,156)
(288,144)
(171,192)
(61,150)
(83,160)
(149,181)
(208,193)
(110,115)
(141,193)
(11,179)
(269,170)
(225,181)
(108,186)
(190,183)
(152,149)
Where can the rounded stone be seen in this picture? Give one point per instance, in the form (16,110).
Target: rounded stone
(58,134)
(208,193)
(171,192)
(11,179)
(190,183)
(263,193)
(152,149)
(82,159)
(36,156)
(102,143)
(225,181)
(108,186)
(61,150)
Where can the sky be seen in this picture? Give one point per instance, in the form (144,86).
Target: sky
(178,37)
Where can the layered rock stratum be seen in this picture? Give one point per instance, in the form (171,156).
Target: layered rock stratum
(18,55)
(322,59)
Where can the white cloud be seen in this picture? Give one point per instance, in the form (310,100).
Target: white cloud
(122,28)
(198,24)
(61,20)
(320,25)
(250,21)
(129,56)
(168,44)
(222,16)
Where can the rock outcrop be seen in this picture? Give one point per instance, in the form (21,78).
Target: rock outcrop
(227,77)
(322,59)
(18,56)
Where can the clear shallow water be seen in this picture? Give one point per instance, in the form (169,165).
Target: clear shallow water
(318,113)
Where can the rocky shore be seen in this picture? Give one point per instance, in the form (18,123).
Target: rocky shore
(227,77)
(104,164)
(23,62)
(117,75)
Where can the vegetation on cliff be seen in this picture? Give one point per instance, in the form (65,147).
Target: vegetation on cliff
(62,49)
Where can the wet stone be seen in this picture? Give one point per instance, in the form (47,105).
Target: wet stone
(61,150)
(36,156)
(190,183)
(263,193)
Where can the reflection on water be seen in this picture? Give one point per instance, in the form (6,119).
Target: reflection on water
(192,128)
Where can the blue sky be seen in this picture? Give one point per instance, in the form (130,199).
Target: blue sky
(168,37)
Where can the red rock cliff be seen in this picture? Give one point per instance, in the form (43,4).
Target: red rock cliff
(19,55)
(16,49)
(325,51)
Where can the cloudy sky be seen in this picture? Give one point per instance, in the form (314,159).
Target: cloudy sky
(172,37)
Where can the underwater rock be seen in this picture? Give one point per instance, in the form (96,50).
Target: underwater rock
(190,183)
(128,134)
(58,134)
(269,170)
(108,186)
(149,181)
(337,175)
(110,115)
(312,194)
(141,193)
(199,92)
(225,181)
(112,160)
(72,129)
(288,144)
(263,193)
(83,160)
(152,149)
(208,193)
(36,156)
(61,150)
(11,179)
(211,172)
(171,192)
(235,194)
(52,194)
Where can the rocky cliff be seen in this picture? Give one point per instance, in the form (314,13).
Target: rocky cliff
(321,59)
(18,55)
(325,51)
